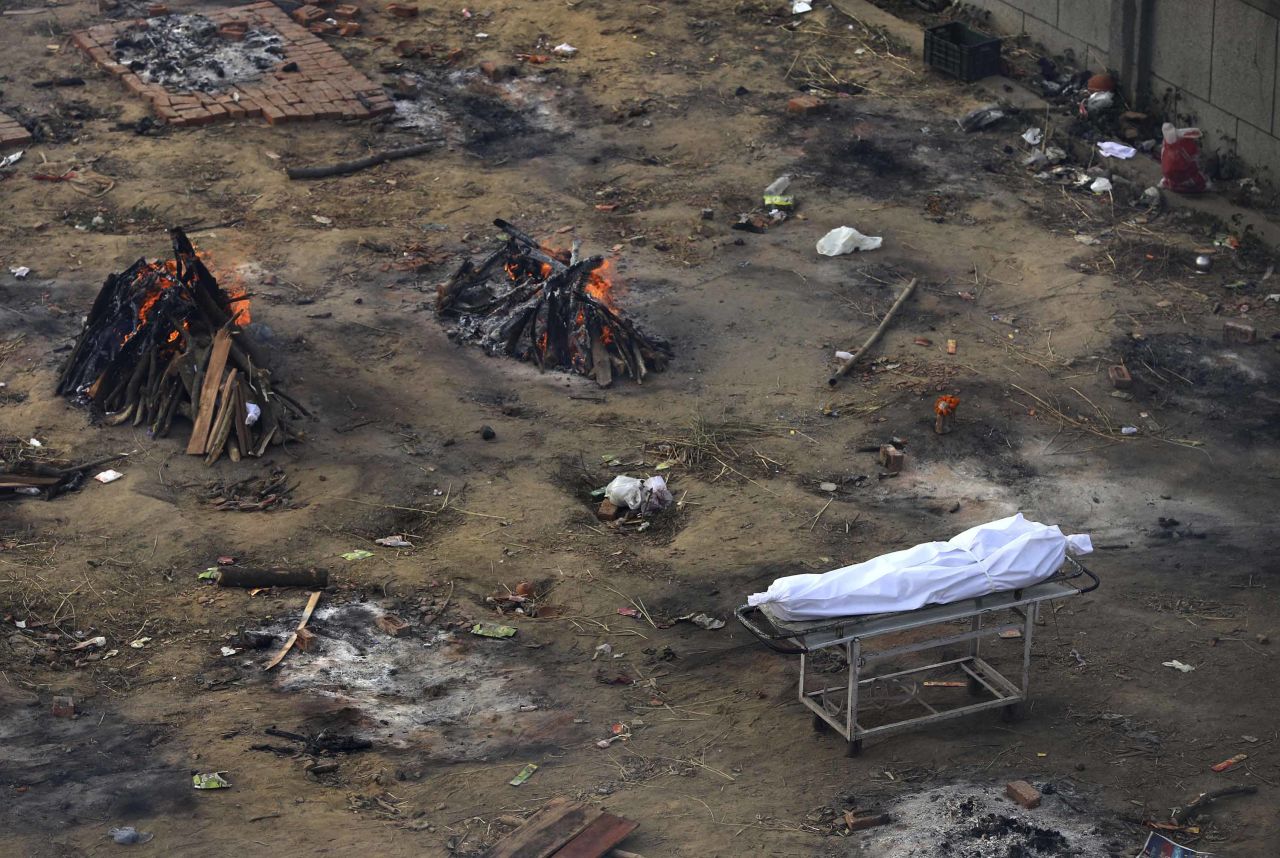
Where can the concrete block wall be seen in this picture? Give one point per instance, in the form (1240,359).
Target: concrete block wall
(1216,63)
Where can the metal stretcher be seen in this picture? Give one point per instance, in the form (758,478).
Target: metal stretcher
(836,707)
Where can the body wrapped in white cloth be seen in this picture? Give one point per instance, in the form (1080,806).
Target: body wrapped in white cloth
(1001,555)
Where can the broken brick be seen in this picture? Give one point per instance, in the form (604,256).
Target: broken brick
(803,104)
(1239,332)
(323,28)
(1120,377)
(305,640)
(346,10)
(1023,793)
(391,624)
(859,823)
(63,707)
(891,458)
(609,511)
(308,14)
(402,10)
(233,30)
(155,10)
(349,28)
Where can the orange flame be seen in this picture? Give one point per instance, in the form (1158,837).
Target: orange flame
(600,285)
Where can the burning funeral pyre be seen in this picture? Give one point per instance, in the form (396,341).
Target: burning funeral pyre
(548,307)
(163,340)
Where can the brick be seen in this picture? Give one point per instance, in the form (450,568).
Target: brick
(1023,793)
(274,114)
(891,458)
(323,28)
(402,10)
(805,104)
(1120,377)
(306,640)
(155,10)
(349,28)
(346,10)
(233,30)
(308,14)
(609,511)
(63,707)
(1239,333)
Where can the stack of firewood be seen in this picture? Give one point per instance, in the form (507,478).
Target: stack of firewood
(162,341)
(534,303)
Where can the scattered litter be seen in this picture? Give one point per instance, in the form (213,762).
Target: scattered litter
(775,195)
(358,554)
(799,7)
(843,355)
(1129,430)
(1098,102)
(19,271)
(603,649)
(846,239)
(1034,136)
(1229,764)
(210,574)
(394,542)
(1111,149)
(10,160)
(983,117)
(629,612)
(951,347)
(1180,160)
(91,643)
(493,630)
(129,835)
(252,411)
(322,220)
(1151,198)
(1010,634)
(702,621)
(827,487)
(565,49)
(108,476)
(1177,665)
(1159,846)
(139,643)
(210,780)
(1101,185)
(1250,739)
(524,775)
(33,442)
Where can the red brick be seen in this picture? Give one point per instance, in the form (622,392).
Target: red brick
(804,104)
(1120,377)
(63,707)
(274,114)
(308,14)
(155,10)
(609,511)
(323,28)
(1023,794)
(233,30)
(402,10)
(891,458)
(346,10)
(349,28)
(1239,332)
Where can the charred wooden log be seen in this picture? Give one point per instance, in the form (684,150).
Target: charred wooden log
(547,307)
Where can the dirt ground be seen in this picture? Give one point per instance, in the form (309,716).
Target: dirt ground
(665,110)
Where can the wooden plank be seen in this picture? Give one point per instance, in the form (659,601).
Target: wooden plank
(222,423)
(209,392)
(546,831)
(242,431)
(293,638)
(598,837)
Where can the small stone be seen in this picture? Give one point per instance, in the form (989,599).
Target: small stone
(487,433)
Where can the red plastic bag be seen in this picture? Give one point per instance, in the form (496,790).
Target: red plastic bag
(1180,160)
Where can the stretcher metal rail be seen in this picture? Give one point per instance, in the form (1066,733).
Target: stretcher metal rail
(836,706)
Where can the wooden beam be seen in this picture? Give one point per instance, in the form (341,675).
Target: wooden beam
(546,831)
(209,392)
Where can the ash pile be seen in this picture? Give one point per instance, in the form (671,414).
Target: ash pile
(163,345)
(547,307)
(187,52)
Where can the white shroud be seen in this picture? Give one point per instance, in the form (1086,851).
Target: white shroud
(1002,555)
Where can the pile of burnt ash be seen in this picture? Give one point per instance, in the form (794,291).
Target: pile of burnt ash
(187,52)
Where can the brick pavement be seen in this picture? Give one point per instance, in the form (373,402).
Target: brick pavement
(324,86)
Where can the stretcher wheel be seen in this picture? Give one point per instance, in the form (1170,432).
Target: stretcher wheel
(854,748)
(1013,712)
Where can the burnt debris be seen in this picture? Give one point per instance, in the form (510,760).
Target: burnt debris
(186,52)
(550,308)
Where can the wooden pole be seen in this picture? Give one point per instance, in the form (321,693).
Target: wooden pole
(871,340)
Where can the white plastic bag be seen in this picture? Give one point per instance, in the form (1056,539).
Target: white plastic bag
(989,558)
(846,239)
(625,491)
(659,496)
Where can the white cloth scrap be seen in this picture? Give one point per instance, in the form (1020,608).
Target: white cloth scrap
(1110,149)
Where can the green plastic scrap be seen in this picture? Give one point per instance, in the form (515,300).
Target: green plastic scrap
(210,574)
(778,201)
(358,554)
(210,780)
(493,630)
(525,774)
